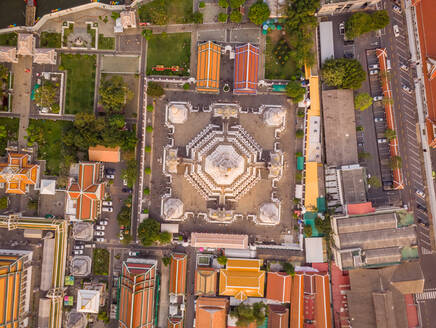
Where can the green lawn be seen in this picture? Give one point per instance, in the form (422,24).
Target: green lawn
(11,125)
(273,70)
(170,11)
(106,42)
(100,262)
(80,82)
(51,148)
(169,50)
(50,40)
(8,39)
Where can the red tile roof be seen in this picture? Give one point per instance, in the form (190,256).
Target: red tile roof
(340,283)
(211,312)
(278,316)
(361,208)
(412,313)
(18,173)
(208,67)
(279,287)
(178,274)
(246,69)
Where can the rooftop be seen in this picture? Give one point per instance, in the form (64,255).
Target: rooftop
(218,240)
(208,67)
(211,312)
(246,69)
(205,282)
(88,301)
(178,266)
(279,287)
(104,154)
(278,316)
(340,127)
(353,185)
(19,173)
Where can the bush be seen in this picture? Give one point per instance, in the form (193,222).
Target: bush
(166,260)
(3,203)
(323,225)
(295,91)
(147,149)
(343,73)
(222,260)
(374,182)
(362,101)
(150,108)
(223,3)
(282,51)
(235,16)
(307,230)
(186,86)
(100,262)
(396,162)
(362,22)
(288,268)
(300,113)
(298,154)
(147,170)
(222,17)
(390,134)
(146,191)
(236,3)
(259,12)
(299,133)
(201,4)
(359,128)
(149,129)
(247,314)
(147,34)
(155,89)
(197,17)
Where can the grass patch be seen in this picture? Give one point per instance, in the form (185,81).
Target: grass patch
(100,262)
(91,32)
(50,40)
(273,70)
(166,11)
(80,82)
(106,42)
(169,50)
(67,32)
(49,135)
(11,125)
(8,39)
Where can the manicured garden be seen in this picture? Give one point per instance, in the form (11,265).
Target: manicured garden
(50,40)
(80,82)
(8,131)
(169,50)
(100,262)
(162,12)
(106,43)
(282,68)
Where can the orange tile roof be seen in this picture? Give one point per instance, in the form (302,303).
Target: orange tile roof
(205,281)
(208,67)
(137,294)
(211,312)
(104,154)
(178,273)
(360,208)
(18,173)
(88,191)
(242,278)
(279,287)
(278,316)
(246,69)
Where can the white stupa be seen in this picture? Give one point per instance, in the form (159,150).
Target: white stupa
(224,165)
(274,116)
(173,209)
(269,214)
(177,113)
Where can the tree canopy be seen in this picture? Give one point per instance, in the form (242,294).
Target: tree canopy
(374,182)
(130,173)
(307,230)
(258,13)
(396,162)
(46,95)
(149,233)
(362,101)
(362,22)
(390,134)
(235,16)
(288,268)
(155,89)
(343,73)
(295,91)
(236,3)
(223,3)
(114,93)
(247,314)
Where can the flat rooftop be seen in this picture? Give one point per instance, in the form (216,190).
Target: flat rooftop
(340,127)
(353,185)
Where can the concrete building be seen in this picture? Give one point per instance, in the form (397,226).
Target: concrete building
(336,7)
(88,301)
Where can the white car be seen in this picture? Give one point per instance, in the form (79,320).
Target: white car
(377,98)
(342,28)
(396,31)
(374,66)
(404,67)
(107,209)
(79,246)
(133,253)
(420,193)
(107,203)
(121,236)
(382,140)
(100,240)
(397,9)
(110,176)
(103,222)
(125,182)
(99,233)
(378,119)
(406,89)
(100,227)
(373,72)
(78,252)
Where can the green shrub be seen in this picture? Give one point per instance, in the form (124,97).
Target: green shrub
(299,133)
(147,149)
(147,170)
(223,3)
(235,16)
(149,129)
(150,108)
(186,86)
(146,191)
(201,4)
(222,17)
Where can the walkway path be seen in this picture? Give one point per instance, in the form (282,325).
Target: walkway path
(164,297)
(21,95)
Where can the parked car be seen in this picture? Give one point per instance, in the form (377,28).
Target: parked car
(404,67)
(396,31)
(342,28)
(78,252)
(100,227)
(377,98)
(99,233)
(110,176)
(133,253)
(397,9)
(107,203)
(109,171)
(382,140)
(79,246)
(121,236)
(374,66)
(103,222)
(378,119)
(406,88)
(127,190)
(107,209)
(125,182)
(420,193)
(100,240)
(373,72)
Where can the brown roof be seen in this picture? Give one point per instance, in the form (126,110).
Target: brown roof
(279,287)
(278,316)
(205,282)
(211,312)
(178,273)
(104,154)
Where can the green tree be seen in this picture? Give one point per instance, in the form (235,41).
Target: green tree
(258,12)
(323,225)
(295,91)
(299,133)
(4,73)
(380,19)
(362,22)
(114,93)
(222,17)
(149,232)
(3,132)
(307,230)
(130,173)
(396,162)
(247,314)
(3,203)
(222,260)
(362,101)
(359,128)
(165,237)
(46,95)
(374,182)
(147,34)
(115,15)
(186,86)
(155,89)
(150,108)
(235,16)
(390,134)
(289,268)
(166,260)
(234,4)
(123,216)
(147,170)
(343,73)
(197,17)
(149,129)
(102,316)
(201,4)
(223,3)
(147,149)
